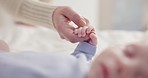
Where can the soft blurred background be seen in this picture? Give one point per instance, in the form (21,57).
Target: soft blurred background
(123,14)
(117,22)
(87,8)
(111,14)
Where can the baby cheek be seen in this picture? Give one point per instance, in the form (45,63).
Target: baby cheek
(144,69)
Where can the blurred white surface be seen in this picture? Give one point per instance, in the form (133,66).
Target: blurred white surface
(122,14)
(44,40)
(128,15)
(38,40)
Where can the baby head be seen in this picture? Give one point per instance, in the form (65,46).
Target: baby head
(130,61)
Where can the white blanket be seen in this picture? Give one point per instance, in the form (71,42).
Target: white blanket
(39,40)
(44,40)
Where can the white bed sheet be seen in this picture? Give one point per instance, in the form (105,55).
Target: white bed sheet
(38,39)
(44,40)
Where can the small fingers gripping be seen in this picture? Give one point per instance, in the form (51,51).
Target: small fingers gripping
(87,31)
(83,32)
(93,39)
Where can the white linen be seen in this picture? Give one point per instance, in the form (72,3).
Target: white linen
(44,40)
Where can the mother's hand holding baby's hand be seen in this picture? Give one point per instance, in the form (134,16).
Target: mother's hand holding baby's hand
(62,18)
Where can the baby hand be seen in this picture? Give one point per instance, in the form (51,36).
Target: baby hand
(87,31)
(93,39)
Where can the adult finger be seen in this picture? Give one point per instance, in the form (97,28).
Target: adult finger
(74,16)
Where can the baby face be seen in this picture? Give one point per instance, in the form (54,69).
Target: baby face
(130,61)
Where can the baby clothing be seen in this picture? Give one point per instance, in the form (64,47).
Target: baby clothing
(47,65)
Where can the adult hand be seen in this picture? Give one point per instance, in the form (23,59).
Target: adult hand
(62,18)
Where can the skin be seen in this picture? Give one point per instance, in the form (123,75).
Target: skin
(128,61)
(87,31)
(63,17)
(4,46)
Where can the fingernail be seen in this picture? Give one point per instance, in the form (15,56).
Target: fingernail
(82,22)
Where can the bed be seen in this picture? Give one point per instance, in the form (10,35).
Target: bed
(38,39)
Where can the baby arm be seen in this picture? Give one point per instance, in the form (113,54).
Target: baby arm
(86,48)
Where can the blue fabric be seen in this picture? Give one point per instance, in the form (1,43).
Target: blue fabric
(85,48)
(45,65)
